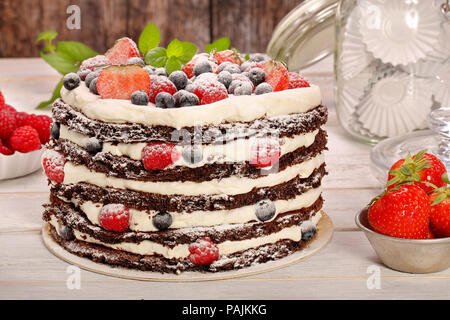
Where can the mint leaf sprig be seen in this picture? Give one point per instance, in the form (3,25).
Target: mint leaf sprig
(218,45)
(65,57)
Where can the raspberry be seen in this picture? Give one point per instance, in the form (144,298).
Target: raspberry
(9,108)
(203,252)
(115,217)
(120,82)
(157,155)
(122,50)
(53,163)
(5,150)
(42,124)
(7,123)
(93,63)
(227,56)
(21,118)
(160,84)
(2,100)
(25,139)
(297,81)
(265,152)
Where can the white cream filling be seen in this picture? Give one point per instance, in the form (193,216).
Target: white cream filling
(235,151)
(230,186)
(232,109)
(148,247)
(142,220)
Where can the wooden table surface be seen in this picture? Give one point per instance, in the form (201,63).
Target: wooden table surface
(340,271)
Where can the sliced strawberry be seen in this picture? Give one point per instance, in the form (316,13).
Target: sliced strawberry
(203,252)
(297,81)
(115,217)
(158,155)
(265,152)
(160,84)
(227,56)
(122,50)
(276,75)
(119,82)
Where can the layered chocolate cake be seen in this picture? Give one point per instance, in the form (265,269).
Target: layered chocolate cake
(217,166)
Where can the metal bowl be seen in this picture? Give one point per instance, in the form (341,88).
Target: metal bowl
(407,255)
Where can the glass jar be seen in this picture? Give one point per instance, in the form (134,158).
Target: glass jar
(392,65)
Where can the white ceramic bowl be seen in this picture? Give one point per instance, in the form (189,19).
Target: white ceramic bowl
(20,164)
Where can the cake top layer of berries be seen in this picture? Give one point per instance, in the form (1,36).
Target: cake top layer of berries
(121,87)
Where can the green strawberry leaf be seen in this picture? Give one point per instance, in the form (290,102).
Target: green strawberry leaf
(156,57)
(149,38)
(56,95)
(172,64)
(218,45)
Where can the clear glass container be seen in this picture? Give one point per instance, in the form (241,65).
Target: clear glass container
(392,65)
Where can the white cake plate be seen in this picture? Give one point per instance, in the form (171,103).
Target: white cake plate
(324,235)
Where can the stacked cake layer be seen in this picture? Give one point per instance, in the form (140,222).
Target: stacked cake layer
(212,190)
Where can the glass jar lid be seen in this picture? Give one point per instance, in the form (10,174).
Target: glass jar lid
(306,35)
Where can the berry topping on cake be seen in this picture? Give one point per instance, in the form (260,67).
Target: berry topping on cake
(53,163)
(230,67)
(94,146)
(122,50)
(403,212)
(55,130)
(265,152)
(7,123)
(256,76)
(114,217)
(202,66)
(158,155)
(185,98)
(309,230)
(265,210)
(42,124)
(137,61)
(91,77)
(66,233)
(119,82)
(188,68)
(227,56)
(93,86)
(297,81)
(165,100)
(203,252)
(71,81)
(93,63)
(179,79)
(160,84)
(263,88)
(162,221)
(242,88)
(276,75)
(225,78)
(140,98)
(213,93)
(421,168)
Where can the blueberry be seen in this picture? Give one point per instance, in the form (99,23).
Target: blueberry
(54,131)
(232,68)
(162,221)
(223,66)
(202,66)
(263,88)
(160,72)
(93,86)
(234,84)
(244,89)
(83,74)
(309,230)
(66,233)
(94,146)
(136,60)
(184,98)
(259,57)
(179,79)
(150,70)
(91,76)
(225,78)
(245,66)
(165,100)
(265,210)
(190,88)
(192,154)
(257,76)
(139,98)
(71,81)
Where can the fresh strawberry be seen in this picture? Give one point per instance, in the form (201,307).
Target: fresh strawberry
(203,252)
(188,68)
(213,93)
(5,150)
(297,81)
(119,82)
(158,155)
(2,100)
(423,167)
(95,62)
(265,152)
(115,217)
(53,163)
(227,56)
(7,123)
(42,124)
(122,50)
(440,211)
(25,139)
(403,212)
(160,84)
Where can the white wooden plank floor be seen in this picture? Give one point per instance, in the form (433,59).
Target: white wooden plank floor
(28,270)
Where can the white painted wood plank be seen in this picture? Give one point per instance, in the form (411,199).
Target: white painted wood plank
(339,271)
